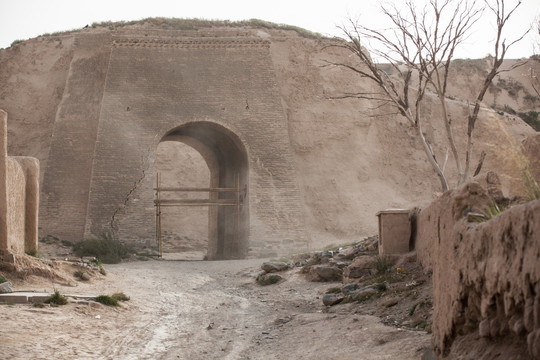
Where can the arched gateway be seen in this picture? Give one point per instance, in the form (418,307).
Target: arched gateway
(226,195)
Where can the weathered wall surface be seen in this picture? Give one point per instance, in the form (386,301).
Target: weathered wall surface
(30,168)
(485,275)
(32,82)
(19,199)
(356,158)
(67,177)
(15,206)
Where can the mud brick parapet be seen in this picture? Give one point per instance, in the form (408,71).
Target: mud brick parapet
(19,199)
(486,275)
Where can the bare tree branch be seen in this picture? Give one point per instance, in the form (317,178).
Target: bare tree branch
(420,45)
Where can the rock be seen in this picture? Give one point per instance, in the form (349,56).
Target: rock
(282,320)
(276,266)
(342,264)
(85,276)
(6,287)
(483,328)
(348,289)
(332,299)
(363,293)
(374,246)
(268,279)
(326,273)
(360,267)
(390,302)
(9,258)
(326,256)
(349,253)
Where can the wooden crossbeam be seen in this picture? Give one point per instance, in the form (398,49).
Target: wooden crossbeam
(181,189)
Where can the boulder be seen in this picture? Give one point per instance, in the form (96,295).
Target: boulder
(332,299)
(360,267)
(349,253)
(6,287)
(390,302)
(348,289)
(342,264)
(325,273)
(274,266)
(268,279)
(363,293)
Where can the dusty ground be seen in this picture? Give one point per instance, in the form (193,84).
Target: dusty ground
(200,310)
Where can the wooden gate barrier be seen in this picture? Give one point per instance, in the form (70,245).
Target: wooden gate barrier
(236,202)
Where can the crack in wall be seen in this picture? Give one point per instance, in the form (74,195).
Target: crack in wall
(144,166)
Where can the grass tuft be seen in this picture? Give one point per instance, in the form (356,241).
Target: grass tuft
(107,248)
(99,265)
(32,252)
(120,296)
(382,264)
(56,299)
(381,287)
(107,300)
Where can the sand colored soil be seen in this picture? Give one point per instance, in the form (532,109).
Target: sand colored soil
(198,310)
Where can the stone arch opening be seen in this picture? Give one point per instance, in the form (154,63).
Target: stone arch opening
(226,159)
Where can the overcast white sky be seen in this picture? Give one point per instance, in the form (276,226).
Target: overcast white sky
(24,19)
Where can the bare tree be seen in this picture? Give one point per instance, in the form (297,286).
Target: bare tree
(419,47)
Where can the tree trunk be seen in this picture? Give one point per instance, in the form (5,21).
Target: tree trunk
(431,158)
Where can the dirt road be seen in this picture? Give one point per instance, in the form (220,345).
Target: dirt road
(199,310)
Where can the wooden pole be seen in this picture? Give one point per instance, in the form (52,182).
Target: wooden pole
(160,242)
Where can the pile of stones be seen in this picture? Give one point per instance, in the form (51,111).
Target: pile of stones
(345,264)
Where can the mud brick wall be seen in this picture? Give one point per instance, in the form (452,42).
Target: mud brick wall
(15,206)
(19,198)
(485,275)
(125,92)
(67,176)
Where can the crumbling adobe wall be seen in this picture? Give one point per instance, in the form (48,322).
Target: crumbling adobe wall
(15,185)
(486,276)
(19,199)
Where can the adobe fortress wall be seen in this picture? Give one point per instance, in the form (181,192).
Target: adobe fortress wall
(125,93)
(19,198)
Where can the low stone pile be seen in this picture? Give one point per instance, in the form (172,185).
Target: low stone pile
(345,264)
(269,276)
(392,287)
